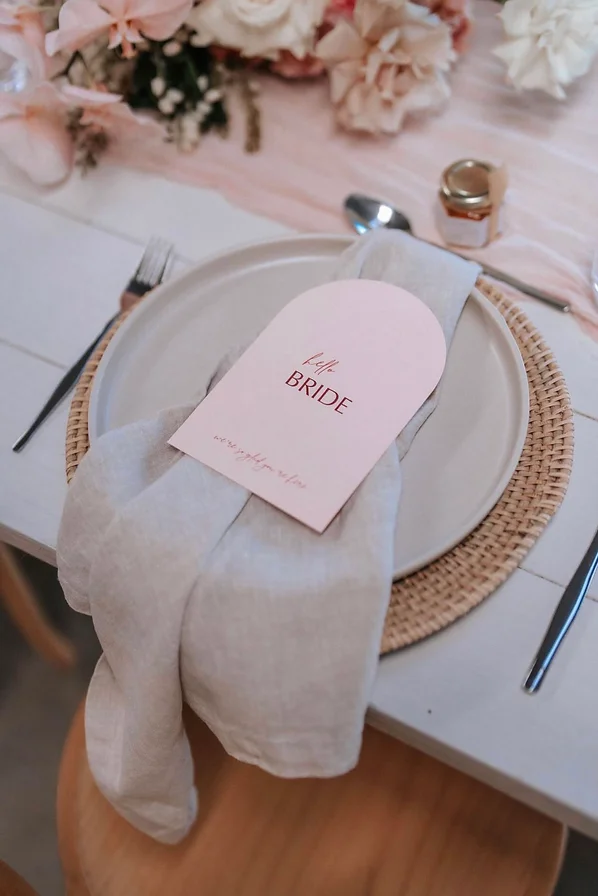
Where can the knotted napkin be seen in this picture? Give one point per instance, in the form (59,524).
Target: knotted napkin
(202,592)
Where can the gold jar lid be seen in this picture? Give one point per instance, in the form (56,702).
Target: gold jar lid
(465,184)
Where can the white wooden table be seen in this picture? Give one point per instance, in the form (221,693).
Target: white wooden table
(64,257)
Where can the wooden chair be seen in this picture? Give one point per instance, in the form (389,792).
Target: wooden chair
(22,606)
(400,824)
(12,884)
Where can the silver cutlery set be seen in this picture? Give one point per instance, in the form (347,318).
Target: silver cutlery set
(363,213)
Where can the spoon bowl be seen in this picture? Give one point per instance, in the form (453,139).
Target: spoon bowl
(365,213)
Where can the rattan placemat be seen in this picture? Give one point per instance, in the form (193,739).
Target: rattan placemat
(429,600)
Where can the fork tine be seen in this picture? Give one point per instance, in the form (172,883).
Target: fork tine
(147,254)
(154,261)
(162,259)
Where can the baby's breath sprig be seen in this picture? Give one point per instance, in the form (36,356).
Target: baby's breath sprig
(182,82)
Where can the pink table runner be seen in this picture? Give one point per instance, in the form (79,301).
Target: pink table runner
(306,167)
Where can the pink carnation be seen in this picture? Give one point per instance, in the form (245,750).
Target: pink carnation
(338,9)
(288,66)
(458,16)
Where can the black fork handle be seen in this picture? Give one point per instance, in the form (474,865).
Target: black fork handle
(63,388)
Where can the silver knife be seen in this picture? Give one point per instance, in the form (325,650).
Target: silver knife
(562,620)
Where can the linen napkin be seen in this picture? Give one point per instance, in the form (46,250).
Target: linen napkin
(204,593)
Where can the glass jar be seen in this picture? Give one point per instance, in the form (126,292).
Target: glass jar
(470,203)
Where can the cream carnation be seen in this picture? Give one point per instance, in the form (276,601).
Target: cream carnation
(549,43)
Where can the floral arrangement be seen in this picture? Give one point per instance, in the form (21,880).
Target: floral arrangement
(76,76)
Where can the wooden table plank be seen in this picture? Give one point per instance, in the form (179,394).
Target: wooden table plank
(135,206)
(458,697)
(32,483)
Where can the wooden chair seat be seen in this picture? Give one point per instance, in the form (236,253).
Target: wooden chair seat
(12,884)
(22,606)
(400,824)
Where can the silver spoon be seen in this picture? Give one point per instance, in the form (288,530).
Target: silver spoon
(365,213)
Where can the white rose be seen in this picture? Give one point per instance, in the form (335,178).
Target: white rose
(550,42)
(259,27)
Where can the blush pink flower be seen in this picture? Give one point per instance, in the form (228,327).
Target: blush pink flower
(458,16)
(33,133)
(109,113)
(22,39)
(288,66)
(338,9)
(126,22)
(386,63)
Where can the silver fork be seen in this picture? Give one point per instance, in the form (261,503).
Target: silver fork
(150,272)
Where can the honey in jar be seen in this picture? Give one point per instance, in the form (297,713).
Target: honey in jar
(470,203)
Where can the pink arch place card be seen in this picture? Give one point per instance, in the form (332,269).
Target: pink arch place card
(311,406)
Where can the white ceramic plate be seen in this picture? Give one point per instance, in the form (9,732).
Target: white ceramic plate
(459,463)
